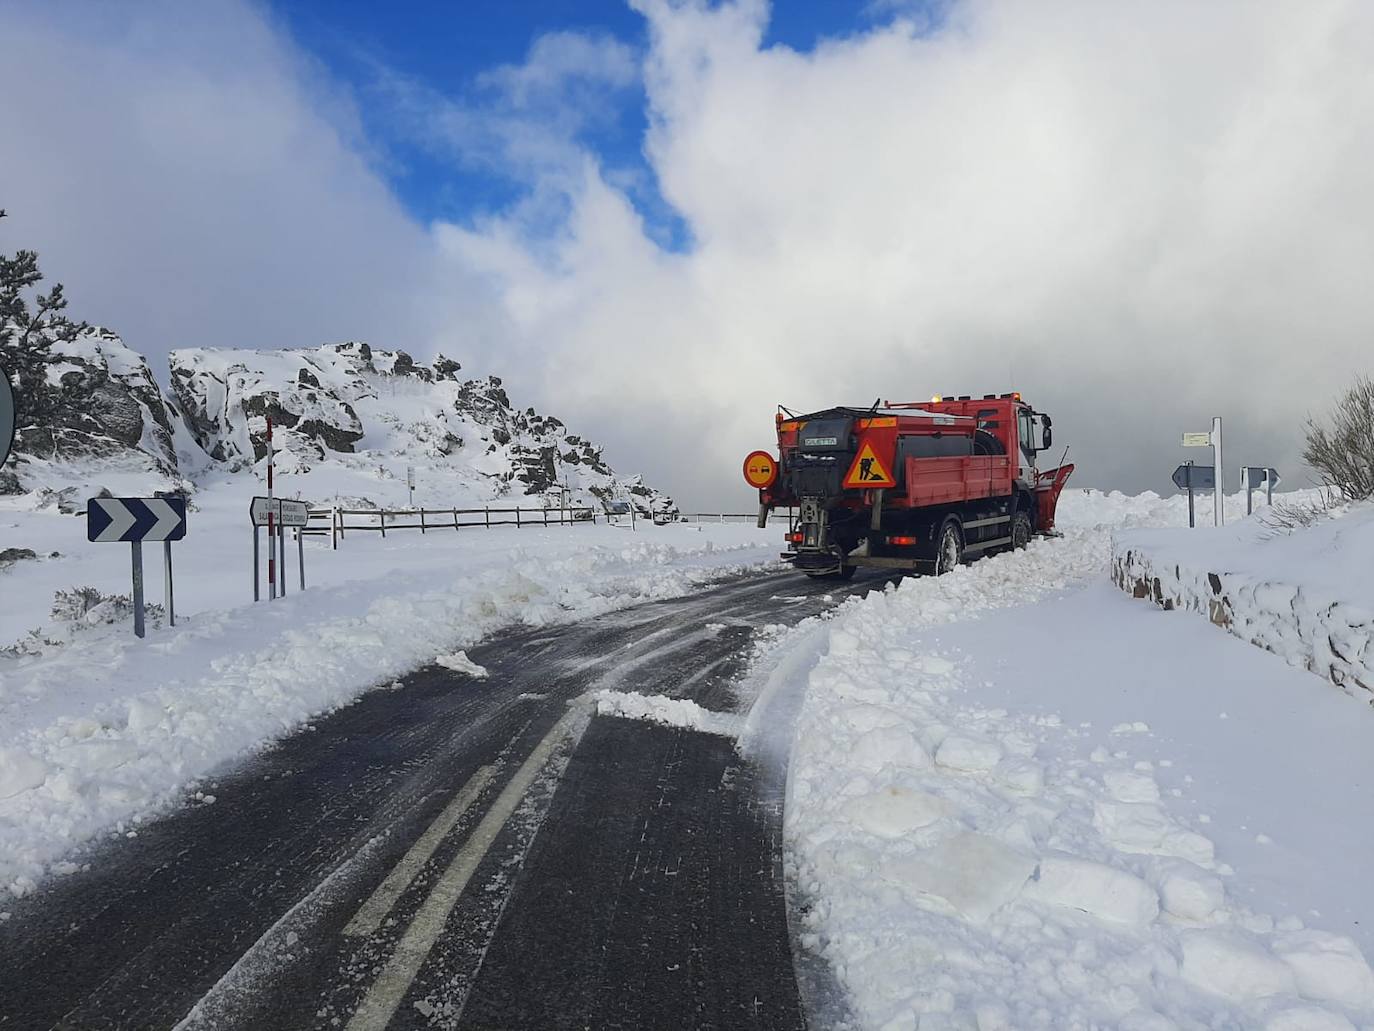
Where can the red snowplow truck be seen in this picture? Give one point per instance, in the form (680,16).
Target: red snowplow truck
(908,486)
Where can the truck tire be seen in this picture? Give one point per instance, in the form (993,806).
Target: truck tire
(1021,529)
(949,546)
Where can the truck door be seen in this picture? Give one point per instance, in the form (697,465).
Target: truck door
(1025,449)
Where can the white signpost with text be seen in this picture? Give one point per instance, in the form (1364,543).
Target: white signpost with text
(1212,440)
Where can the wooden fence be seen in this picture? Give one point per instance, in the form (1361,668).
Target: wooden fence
(337,523)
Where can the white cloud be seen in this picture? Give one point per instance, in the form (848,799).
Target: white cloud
(1139,217)
(193,180)
(521,121)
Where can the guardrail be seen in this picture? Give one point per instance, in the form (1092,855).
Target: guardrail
(718,517)
(334,522)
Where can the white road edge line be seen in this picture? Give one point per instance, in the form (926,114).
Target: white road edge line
(387,991)
(372,912)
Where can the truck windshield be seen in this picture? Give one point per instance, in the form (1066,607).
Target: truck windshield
(825,435)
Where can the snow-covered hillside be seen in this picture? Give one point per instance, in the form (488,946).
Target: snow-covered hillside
(349,422)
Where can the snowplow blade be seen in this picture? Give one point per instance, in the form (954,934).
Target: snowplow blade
(1047,490)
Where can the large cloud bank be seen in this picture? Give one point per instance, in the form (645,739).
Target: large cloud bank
(1138,216)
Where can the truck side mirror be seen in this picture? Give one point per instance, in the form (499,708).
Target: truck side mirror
(1048,432)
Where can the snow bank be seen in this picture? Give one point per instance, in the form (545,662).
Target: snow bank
(960,865)
(1305,595)
(98,730)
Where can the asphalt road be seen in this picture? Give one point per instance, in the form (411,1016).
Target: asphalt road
(456,853)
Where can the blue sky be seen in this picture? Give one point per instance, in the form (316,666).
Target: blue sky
(446,48)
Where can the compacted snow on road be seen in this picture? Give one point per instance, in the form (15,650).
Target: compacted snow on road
(1018,798)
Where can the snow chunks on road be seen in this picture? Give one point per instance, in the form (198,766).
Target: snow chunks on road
(960,866)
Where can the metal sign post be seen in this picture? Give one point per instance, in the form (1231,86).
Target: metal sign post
(410,483)
(271,528)
(167,583)
(135,520)
(1251,476)
(1192,477)
(277,514)
(137,549)
(1219,494)
(1212,440)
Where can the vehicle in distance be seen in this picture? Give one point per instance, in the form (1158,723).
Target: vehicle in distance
(918,486)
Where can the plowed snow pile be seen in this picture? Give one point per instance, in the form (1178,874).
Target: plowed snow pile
(1019,799)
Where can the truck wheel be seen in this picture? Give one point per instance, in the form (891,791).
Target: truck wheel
(1021,530)
(949,552)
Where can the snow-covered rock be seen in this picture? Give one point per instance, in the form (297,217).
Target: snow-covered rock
(103,408)
(351,406)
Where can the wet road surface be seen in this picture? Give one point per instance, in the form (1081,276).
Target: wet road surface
(456,853)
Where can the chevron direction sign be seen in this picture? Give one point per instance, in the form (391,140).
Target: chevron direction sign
(128,520)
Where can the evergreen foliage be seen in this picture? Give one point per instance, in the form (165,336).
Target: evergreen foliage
(28,329)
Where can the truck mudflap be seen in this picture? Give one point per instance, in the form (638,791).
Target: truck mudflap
(1048,486)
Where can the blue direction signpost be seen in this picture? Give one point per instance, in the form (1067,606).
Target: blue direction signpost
(1192,477)
(133,521)
(1254,476)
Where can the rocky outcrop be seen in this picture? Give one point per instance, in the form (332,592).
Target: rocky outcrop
(228,396)
(347,404)
(100,402)
(352,399)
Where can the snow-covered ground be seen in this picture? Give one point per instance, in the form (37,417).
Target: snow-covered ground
(1300,591)
(98,728)
(1018,798)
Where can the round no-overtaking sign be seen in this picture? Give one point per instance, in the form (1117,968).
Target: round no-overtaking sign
(6,416)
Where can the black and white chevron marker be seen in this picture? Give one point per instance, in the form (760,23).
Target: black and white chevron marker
(135,519)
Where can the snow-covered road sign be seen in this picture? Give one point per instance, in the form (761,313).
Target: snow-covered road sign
(1255,476)
(6,416)
(135,519)
(1198,477)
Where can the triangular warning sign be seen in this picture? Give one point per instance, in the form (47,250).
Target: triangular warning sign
(868,471)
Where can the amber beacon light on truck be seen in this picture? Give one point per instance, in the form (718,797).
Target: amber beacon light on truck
(913,486)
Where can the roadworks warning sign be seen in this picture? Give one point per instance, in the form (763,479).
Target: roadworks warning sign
(868,471)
